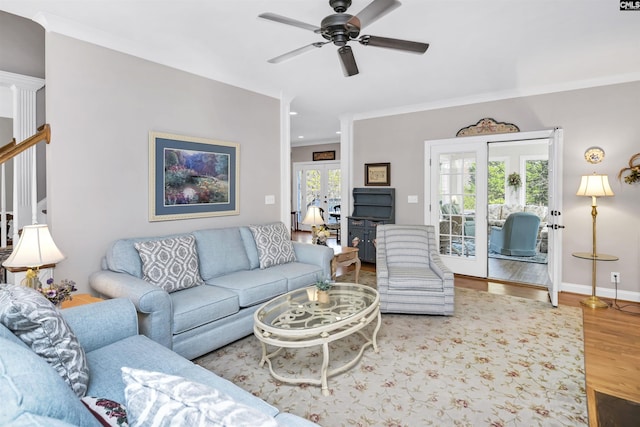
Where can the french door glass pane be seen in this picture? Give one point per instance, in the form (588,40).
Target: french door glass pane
(312,196)
(457,201)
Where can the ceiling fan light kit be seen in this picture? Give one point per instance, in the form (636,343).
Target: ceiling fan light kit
(341,28)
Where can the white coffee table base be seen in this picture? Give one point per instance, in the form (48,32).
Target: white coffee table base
(296,338)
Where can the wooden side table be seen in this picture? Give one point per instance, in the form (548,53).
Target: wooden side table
(344,256)
(80,299)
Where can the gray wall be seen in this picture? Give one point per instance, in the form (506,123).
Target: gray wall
(605,116)
(305,153)
(101,105)
(22,46)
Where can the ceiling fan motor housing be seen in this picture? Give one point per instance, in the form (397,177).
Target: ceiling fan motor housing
(340,6)
(338,29)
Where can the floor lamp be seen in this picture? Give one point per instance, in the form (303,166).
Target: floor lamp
(595,186)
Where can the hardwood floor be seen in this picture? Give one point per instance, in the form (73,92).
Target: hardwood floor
(611,341)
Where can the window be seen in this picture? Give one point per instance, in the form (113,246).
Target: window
(496,183)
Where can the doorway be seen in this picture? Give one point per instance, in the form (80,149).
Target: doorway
(457,187)
(526,163)
(316,184)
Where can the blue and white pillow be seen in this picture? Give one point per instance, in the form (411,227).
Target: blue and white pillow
(274,244)
(157,399)
(38,323)
(171,264)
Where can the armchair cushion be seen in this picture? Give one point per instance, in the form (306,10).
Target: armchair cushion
(417,278)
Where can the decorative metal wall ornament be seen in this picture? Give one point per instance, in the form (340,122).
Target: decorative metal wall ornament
(488,126)
(633,170)
(594,155)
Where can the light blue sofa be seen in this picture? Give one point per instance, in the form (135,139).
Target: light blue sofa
(34,394)
(198,320)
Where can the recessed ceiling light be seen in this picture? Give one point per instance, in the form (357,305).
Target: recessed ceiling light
(301,137)
(338,132)
(293,113)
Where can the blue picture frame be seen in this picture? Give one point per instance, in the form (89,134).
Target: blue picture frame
(192,177)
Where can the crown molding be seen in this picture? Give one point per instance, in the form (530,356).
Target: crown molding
(500,96)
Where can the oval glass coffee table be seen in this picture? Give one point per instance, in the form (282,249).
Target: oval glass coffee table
(298,320)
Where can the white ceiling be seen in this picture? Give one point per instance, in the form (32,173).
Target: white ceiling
(480,49)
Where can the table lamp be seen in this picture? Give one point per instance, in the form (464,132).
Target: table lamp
(594,186)
(313,217)
(34,249)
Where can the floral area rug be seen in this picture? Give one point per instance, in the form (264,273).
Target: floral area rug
(499,361)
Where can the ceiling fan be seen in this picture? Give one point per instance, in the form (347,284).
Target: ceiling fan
(341,28)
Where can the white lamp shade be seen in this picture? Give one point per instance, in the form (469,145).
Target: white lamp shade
(34,249)
(313,216)
(595,186)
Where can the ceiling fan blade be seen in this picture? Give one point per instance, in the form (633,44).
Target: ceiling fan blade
(373,11)
(288,21)
(349,65)
(406,45)
(296,52)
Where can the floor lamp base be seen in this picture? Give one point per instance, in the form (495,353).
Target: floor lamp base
(594,302)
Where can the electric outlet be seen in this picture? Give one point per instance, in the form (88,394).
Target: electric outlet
(615,277)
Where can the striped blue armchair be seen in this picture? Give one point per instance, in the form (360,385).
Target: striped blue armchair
(411,276)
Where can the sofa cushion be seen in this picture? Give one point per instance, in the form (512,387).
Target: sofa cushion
(158,399)
(494,212)
(200,305)
(540,211)
(123,257)
(252,287)
(509,209)
(250,247)
(171,264)
(33,393)
(37,322)
(274,244)
(221,251)
(298,274)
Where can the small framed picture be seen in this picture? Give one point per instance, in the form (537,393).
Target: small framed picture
(377,174)
(324,155)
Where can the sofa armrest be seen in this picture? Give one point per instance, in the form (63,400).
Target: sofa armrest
(102,323)
(152,303)
(314,254)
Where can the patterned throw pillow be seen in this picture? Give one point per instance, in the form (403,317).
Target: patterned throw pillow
(157,399)
(171,264)
(273,243)
(108,412)
(37,322)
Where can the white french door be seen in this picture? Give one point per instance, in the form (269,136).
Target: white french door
(456,188)
(554,224)
(316,184)
(458,202)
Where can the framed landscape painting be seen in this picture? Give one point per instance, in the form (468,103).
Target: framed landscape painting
(192,177)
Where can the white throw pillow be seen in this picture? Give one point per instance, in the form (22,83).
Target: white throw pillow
(171,263)
(274,244)
(157,399)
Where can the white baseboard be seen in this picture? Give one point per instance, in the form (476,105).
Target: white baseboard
(601,292)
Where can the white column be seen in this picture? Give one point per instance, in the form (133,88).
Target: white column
(25,192)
